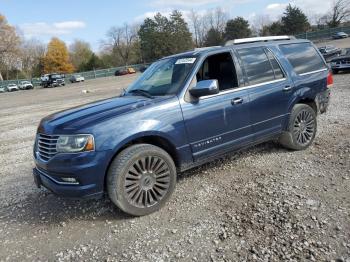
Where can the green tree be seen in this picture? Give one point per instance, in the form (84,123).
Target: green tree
(274,28)
(294,21)
(94,63)
(237,28)
(161,36)
(80,54)
(213,37)
(180,34)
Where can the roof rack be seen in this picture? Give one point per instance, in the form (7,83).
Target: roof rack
(258,39)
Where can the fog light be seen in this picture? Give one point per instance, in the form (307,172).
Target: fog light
(70,180)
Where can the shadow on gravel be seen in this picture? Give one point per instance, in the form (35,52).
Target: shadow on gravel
(43,207)
(262,149)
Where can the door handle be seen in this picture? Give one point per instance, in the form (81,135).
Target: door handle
(287,88)
(237,101)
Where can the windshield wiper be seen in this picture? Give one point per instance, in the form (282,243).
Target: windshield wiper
(141,92)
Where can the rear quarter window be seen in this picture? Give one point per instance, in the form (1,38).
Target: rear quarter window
(303,57)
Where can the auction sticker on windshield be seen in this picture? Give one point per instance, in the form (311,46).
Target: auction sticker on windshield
(189,60)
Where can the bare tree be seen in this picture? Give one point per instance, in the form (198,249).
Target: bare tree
(259,22)
(195,24)
(201,23)
(340,12)
(9,43)
(122,40)
(32,53)
(217,19)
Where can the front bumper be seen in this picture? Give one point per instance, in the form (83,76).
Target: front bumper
(87,168)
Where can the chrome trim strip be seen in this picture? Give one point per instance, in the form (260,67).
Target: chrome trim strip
(313,72)
(243,88)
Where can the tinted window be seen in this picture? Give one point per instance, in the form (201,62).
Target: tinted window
(257,65)
(220,67)
(303,57)
(276,67)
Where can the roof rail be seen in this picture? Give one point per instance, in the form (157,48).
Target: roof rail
(205,48)
(258,39)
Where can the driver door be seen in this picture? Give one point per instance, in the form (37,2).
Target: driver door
(218,123)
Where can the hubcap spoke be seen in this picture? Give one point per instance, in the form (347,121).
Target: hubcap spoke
(147,181)
(304,127)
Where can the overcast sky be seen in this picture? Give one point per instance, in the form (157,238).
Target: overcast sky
(89,20)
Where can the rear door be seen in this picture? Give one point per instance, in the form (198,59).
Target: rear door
(270,90)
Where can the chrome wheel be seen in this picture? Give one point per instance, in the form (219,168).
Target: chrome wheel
(147,181)
(304,127)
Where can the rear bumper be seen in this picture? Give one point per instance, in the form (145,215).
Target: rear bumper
(322,101)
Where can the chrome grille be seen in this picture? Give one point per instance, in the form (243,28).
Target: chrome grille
(46,146)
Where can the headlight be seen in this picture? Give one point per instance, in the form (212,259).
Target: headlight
(75,143)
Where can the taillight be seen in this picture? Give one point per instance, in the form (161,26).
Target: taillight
(330,80)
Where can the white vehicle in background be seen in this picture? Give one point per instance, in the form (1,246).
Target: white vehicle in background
(76,78)
(2,89)
(11,88)
(24,85)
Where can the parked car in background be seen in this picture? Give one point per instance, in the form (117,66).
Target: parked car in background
(124,71)
(121,72)
(184,111)
(11,88)
(342,62)
(143,68)
(131,70)
(2,89)
(340,35)
(329,51)
(76,79)
(25,85)
(52,80)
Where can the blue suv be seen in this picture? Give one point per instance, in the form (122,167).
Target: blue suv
(183,111)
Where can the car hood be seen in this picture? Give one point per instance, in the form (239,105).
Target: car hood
(78,118)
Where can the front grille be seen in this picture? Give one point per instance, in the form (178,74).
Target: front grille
(46,146)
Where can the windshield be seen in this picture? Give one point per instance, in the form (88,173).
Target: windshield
(164,77)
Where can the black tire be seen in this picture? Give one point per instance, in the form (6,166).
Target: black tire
(141,179)
(335,71)
(302,128)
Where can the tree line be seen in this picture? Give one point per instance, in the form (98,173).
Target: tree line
(152,39)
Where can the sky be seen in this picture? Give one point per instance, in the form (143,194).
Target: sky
(90,20)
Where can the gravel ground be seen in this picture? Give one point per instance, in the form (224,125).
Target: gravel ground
(260,204)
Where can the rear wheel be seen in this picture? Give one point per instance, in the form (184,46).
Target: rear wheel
(301,129)
(335,71)
(141,179)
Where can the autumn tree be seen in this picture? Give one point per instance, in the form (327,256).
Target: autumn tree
(80,54)
(57,57)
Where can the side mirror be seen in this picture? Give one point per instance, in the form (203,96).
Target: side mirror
(205,88)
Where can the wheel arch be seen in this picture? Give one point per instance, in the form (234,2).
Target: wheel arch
(152,139)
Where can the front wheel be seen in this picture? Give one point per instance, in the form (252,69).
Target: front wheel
(302,128)
(141,179)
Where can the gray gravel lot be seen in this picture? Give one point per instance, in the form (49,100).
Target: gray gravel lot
(263,204)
